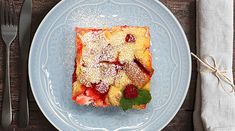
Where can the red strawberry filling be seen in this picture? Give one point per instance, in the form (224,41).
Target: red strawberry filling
(130,38)
(74,77)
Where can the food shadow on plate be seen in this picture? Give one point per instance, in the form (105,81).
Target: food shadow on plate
(109,111)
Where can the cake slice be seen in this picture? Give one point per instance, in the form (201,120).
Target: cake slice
(113,67)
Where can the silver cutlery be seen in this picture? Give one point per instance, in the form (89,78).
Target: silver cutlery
(24,41)
(9,32)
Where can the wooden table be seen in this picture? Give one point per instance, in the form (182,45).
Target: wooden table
(184,10)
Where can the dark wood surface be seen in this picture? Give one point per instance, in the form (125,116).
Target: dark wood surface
(185,12)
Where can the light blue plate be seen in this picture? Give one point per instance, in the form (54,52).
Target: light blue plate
(52,57)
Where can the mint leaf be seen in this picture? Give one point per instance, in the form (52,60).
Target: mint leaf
(126,103)
(143,97)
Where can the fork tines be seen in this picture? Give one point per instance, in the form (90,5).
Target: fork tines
(8,14)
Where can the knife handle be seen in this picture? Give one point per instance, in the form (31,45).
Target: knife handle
(24,106)
(6,106)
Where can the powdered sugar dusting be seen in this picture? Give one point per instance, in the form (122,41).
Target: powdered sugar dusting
(135,74)
(94,70)
(107,54)
(98,62)
(102,87)
(94,40)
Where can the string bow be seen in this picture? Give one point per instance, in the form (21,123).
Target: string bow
(221,75)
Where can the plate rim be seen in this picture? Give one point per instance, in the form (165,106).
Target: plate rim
(180,29)
(189,58)
(29,61)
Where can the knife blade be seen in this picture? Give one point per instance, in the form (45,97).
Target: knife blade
(24,42)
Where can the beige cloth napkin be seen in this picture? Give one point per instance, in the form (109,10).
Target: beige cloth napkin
(214,105)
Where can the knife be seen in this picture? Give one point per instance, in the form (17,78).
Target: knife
(24,42)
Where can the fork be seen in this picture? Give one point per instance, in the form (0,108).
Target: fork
(9,32)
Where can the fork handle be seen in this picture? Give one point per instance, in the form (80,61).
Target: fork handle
(24,106)
(6,106)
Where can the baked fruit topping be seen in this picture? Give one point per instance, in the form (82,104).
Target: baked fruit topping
(113,67)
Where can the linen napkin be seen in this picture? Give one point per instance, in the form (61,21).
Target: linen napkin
(215,103)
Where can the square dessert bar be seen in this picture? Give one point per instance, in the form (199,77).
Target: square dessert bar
(113,67)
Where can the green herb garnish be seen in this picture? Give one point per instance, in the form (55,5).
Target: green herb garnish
(143,97)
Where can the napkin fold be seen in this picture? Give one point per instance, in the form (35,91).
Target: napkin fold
(214,103)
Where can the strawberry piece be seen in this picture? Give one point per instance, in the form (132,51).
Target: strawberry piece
(91,92)
(130,92)
(130,38)
(79,91)
(83,100)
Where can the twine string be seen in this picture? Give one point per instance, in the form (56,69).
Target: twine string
(214,69)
